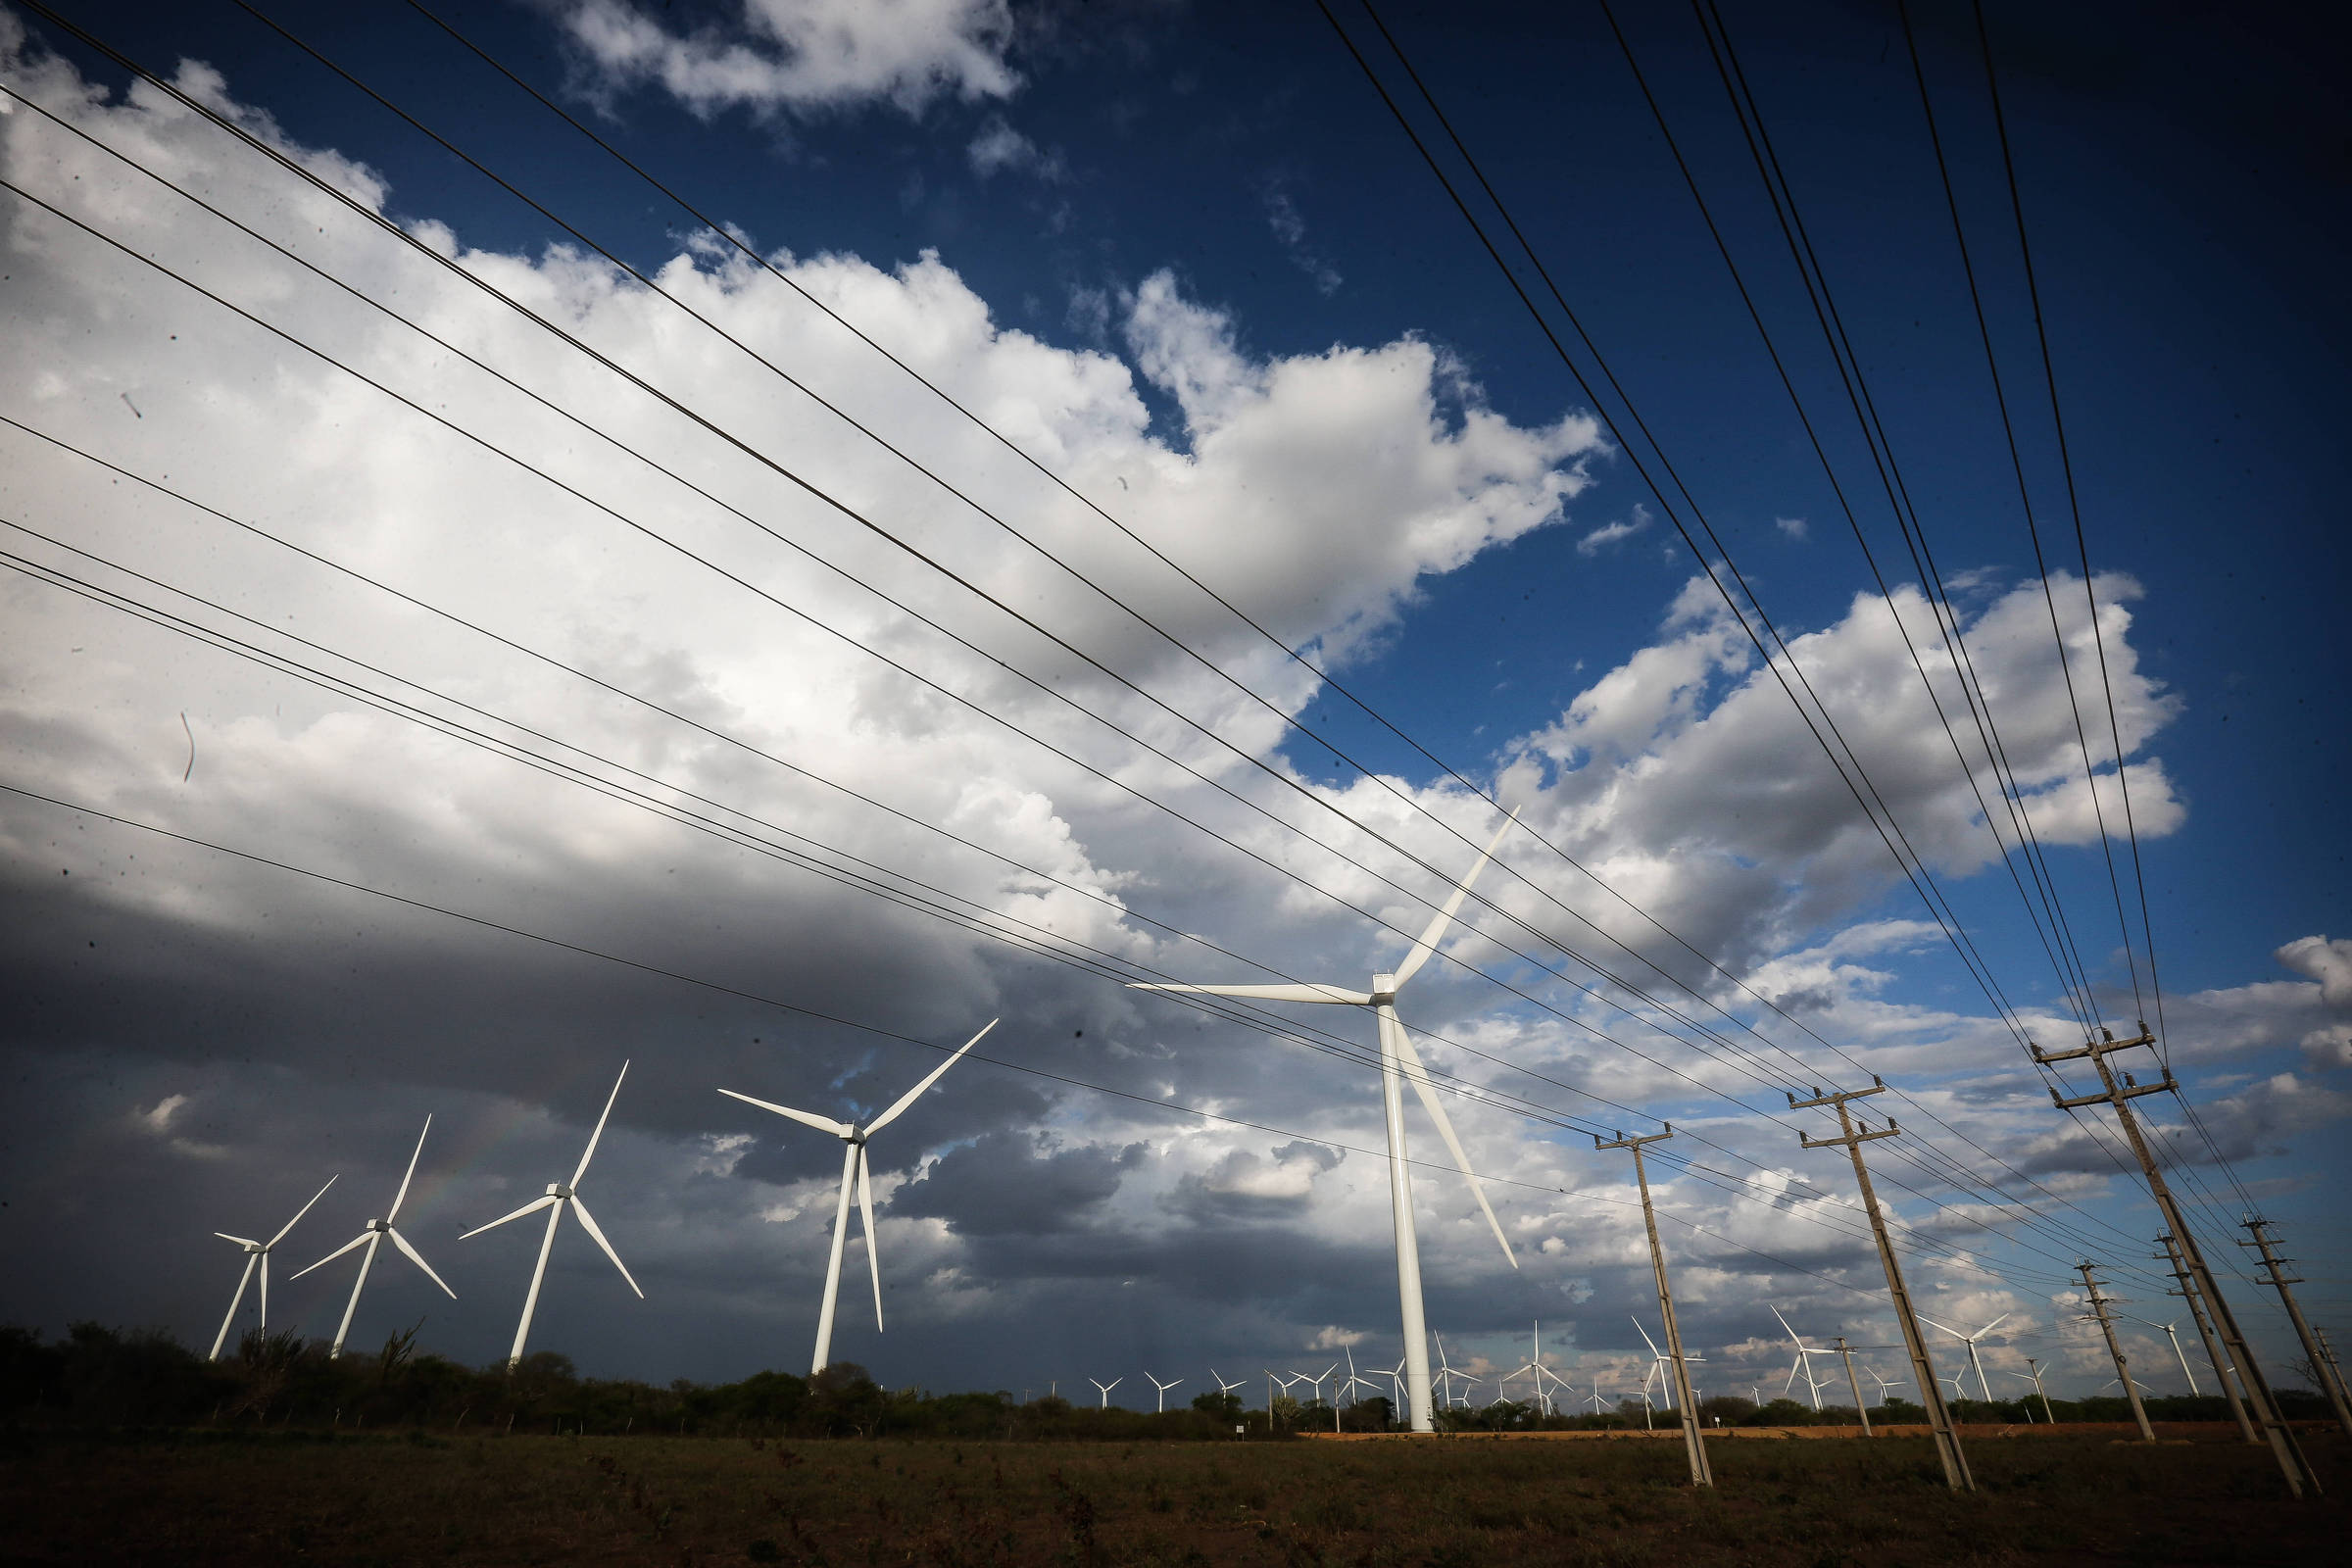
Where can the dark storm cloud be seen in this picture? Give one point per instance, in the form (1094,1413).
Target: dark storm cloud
(1013,1183)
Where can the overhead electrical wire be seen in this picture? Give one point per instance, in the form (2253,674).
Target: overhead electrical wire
(1922,880)
(376,217)
(1614,1041)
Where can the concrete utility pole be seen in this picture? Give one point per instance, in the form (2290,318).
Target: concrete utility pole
(2272,1261)
(1702,1474)
(2123,1368)
(2188,1292)
(1855,1382)
(2292,1465)
(1930,1393)
(2334,1367)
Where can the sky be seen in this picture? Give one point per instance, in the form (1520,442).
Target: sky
(1087,507)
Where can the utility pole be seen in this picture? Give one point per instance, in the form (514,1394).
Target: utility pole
(1860,1409)
(1930,1393)
(2213,1350)
(2333,1366)
(2123,1368)
(2264,1411)
(2272,1261)
(1702,1474)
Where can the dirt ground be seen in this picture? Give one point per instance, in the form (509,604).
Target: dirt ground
(2045,1497)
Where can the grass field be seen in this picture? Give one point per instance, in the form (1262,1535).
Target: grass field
(215,1497)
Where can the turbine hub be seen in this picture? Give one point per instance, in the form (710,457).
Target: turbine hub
(379,1224)
(558,1190)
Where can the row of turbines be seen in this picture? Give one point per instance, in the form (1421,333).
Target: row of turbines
(1400,1064)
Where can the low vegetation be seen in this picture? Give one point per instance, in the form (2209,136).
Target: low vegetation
(122,1447)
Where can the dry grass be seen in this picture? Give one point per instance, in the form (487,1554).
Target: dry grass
(204,1498)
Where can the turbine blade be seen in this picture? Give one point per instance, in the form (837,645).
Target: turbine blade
(824,1125)
(1428,943)
(873,1259)
(1947,1327)
(588,1224)
(418,1259)
(239,1239)
(402,1195)
(2004,1318)
(1410,1062)
(916,1092)
(1298,993)
(531,1207)
(1646,1339)
(298,1213)
(589,1152)
(355,1241)
(1791,1380)
(1792,1339)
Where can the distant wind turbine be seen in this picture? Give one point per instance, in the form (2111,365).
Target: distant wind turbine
(1970,1339)
(258,1252)
(1398,1062)
(854,1173)
(559,1196)
(1106,1388)
(1163,1389)
(1804,1358)
(372,1237)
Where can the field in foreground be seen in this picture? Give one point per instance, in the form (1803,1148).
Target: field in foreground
(212,1498)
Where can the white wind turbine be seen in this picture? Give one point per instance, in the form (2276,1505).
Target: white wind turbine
(559,1196)
(1885,1385)
(1163,1389)
(1398,1063)
(1353,1381)
(1223,1386)
(258,1252)
(1106,1388)
(1447,1373)
(1970,1339)
(371,1237)
(2171,1332)
(853,1172)
(1660,1365)
(1804,1358)
(1536,1367)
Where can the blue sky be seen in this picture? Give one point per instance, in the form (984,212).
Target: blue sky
(1189,249)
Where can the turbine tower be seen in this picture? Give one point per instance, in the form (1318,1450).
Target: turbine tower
(372,1237)
(1398,1062)
(559,1196)
(258,1252)
(854,1173)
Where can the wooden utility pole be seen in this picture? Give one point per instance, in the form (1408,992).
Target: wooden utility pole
(1702,1474)
(1860,1409)
(2188,1292)
(2312,1349)
(1930,1393)
(2123,1366)
(2119,1092)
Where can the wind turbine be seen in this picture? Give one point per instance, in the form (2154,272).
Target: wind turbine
(1595,1400)
(1804,1358)
(1163,1389)
(1223,1386)
(1660,1362)
(1446,1374)
(258,1252)
(1398,1062)
(1353,1381)
(1106,1388)
(853,1169)
(371,1237)
(1970,1339)
(559,1196)
(1885,1385)
(2034,1371)
(2169,1333)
